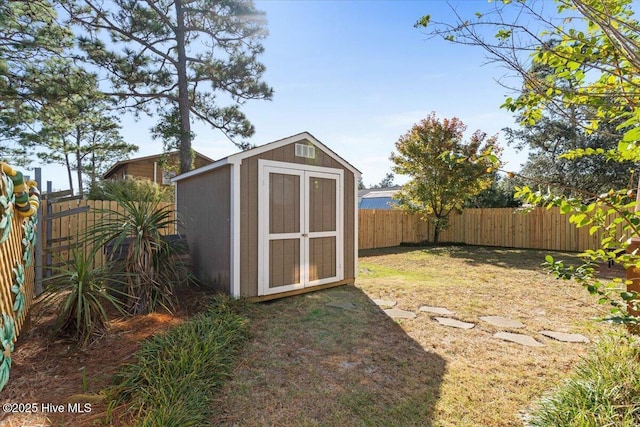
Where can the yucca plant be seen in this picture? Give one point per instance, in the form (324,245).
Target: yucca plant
(84,295)
(135,234)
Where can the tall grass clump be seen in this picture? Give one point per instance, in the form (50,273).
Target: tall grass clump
(603,391)
(176,375)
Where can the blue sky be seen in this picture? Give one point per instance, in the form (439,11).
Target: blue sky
(357,75)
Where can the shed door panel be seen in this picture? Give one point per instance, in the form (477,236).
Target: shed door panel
(322,227)
(284,244)
(284,256)
(300,228)
(322,259)
(322,204)
(284,204)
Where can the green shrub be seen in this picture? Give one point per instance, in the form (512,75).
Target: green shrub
(603,391)
(133,188)
(85,295)
(150,263)
(176,374)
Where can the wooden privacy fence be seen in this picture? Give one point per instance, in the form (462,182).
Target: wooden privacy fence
(16,272)
(65,222)
(19,202)
(506,227)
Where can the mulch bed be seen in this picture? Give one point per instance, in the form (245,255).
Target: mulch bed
(47,372)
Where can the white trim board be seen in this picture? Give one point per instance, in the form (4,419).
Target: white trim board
(356,221)
(234,235)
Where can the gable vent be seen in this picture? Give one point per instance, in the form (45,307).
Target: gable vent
(307,151)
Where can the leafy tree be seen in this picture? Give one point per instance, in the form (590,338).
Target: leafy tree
(554,138)
(104,147)
(551,142)
(32,60)
(593,64)
(600,57)
(500,194)
(77,130)
(386,182)
(361,185)
(183,59)
(438,187)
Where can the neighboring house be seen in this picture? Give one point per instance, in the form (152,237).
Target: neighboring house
(150,168)
(377,198)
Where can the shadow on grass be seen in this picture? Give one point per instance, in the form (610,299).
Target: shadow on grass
(310,363)
(528,259)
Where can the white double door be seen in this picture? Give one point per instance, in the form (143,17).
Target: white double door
(299,226)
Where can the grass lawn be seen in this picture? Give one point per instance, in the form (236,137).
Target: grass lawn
(310,364)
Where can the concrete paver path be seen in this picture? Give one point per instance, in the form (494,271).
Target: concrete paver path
(384,302)
(446,321)
(396,313)
(437,310)
(344,305)
(565,337)
(502,322)
(519,339)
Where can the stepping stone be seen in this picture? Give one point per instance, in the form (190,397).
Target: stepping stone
(502,322)
(454,323)
(396,313)
(344,305)
(437,310)
(565,337)
(347,365)
(519,339)
(384,302)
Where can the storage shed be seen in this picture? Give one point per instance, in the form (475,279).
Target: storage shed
(272,221)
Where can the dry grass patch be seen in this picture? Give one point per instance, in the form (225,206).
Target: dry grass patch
(488,382)
(309,364)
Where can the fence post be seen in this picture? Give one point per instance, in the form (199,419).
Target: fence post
(633,285)
(48,236)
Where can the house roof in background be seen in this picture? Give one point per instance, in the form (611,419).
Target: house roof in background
(154,156)
(377,198)
(384,192)
(377,203)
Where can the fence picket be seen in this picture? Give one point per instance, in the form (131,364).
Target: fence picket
(68,230)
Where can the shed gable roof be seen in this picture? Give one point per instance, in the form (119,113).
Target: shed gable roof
(238,157)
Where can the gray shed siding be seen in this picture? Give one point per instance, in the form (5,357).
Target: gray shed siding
(249,211)
(203,204)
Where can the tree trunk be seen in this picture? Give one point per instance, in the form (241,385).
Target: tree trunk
(436,234)
(92,173)
(183,92)
(79,163)
(68,165)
